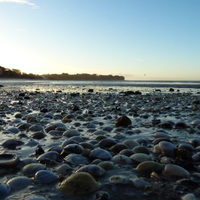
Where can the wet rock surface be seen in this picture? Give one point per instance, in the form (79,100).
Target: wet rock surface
(98,144)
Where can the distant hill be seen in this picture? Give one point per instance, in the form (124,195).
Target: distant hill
(91,77)
(17,74)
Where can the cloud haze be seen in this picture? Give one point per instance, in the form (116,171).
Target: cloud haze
(19,2)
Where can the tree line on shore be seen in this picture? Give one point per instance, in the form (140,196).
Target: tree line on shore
(17,74)
(84,76)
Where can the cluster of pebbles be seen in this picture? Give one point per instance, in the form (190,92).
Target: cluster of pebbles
(99,145)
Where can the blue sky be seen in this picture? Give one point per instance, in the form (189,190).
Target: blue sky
(139,39)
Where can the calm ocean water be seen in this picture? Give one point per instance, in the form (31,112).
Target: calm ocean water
(183,86)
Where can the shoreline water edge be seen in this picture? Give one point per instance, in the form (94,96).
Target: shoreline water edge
(99,140)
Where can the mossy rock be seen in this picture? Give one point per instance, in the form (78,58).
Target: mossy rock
(78,184)
(147,167)
(141,149)
(175,170)
(38,135)
(107,165)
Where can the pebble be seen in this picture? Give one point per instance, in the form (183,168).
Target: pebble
(175,170)
(189,196)
(45,177)
(167,148)
(147,167)
(79,183)
(100,154)
(64,169)
(122,159)
(4,190)
(71,132)
(75,160)
(139,157)
(107,165)
(94,170)
(31,168)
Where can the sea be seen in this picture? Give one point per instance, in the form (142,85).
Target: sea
(143,86)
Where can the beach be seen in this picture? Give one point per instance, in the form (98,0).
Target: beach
(99,140)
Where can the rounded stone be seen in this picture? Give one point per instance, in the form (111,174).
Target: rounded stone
(123,121)
(139,157)
(175,170)
(100,154)
(189,196)
(147,167)
(141,149)
(78,184)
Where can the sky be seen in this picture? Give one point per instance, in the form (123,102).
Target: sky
(137,39)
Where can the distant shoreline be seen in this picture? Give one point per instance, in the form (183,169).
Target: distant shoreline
(150,81)
(21,79)
(17,74)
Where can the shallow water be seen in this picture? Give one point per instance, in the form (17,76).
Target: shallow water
(148,86)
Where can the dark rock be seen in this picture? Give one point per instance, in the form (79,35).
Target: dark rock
(11,143)
(22,94)
(26,97)
(117,148)
(196,102)
(20,103)
(75,108)
(171,90)
(23,126)
(127,152)
(44,110)
(166,125)
(39,151)
(107,143)
(127,93)
(156,121)
(75,94)
(136,115)
(90,90)
(102,195)
(138,92)
(181,125)
(18,115)
(158,90)
(123,121)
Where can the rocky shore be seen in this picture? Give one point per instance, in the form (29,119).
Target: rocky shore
(98,144)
